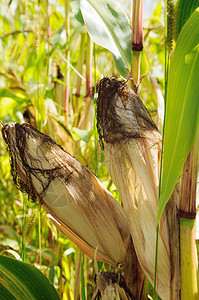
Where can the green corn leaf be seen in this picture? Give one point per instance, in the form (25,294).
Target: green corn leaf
(182,107)
(84,135)
(5,294)
(184,9)
(108,26)
(19,280)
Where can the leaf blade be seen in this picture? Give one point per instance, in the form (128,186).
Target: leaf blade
(182,115)
(109,27)
(184,9)
(24,281)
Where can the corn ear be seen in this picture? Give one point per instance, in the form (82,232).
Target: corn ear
(132,146)
(74,199)
(79,204)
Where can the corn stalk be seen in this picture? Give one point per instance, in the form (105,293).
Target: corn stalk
(59,90)
(67,72)
(80,64)
(89,65)
(187,214)
(87,116)
(136,42)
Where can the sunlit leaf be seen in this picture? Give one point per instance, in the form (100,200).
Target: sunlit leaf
(182,107)
(84,135)
(5,93)
(109,27)
(13,253)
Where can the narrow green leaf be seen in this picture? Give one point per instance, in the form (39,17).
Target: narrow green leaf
(84,135)
(5,93)
(182,107)
(79,17)
(59,81)
(108,26)
(12,252)
(82,279)
(24,281)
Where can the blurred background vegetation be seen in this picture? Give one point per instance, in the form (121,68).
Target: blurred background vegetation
(49,69)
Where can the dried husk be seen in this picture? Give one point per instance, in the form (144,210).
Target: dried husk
(111,286)
(83,209)
(132,146)
(74,198)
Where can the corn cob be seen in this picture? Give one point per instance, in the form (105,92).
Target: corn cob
(132,146)
(76,201)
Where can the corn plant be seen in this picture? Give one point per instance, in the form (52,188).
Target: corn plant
(150,233)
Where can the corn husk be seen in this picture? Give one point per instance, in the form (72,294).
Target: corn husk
(79,204)
(132,146)
(73,197)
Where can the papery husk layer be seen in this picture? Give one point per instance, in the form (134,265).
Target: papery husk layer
(76,201)
(79,204)
(132,147)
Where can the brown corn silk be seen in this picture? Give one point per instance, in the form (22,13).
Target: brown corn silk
(74,198)
(132,148)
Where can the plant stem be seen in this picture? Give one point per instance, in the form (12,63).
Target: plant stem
(188,260)
(48,33)
(136,42)
(40,235)
(135,68)
(187,207)
(187,214)
(23,252)
(59,91)
(80,64)
(67,72)
(95,120)
(83,296)
(89,59)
